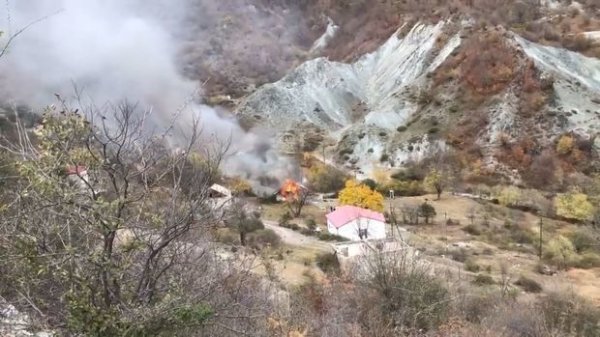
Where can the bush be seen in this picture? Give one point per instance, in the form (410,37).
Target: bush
(408,294)
(227,237)
(568,313)
(560,252)
(427,211)
(529,285)
(291,226)
(371,183)
(325,178)
(588,260)
(401,128)
(574,206)
(284,219)
(263,237)
(459,255)
(404,188)
(521,235)
(472,229)
(478,306)
(472,266)
(583,240)
(483,280)
(565,144)
(328,263)
(384,157)
(451,222)
(307,232)
(331,237)
(311,224)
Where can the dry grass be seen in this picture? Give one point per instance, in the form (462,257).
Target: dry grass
(520,259)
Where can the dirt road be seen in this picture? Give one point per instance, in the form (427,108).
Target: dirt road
(293,238)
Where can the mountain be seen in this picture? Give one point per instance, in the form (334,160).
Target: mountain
(488,93)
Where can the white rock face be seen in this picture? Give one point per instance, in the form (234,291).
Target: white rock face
(576,85)
(323,41)
(324,92)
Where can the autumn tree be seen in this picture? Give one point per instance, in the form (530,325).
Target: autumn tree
(509,196)
(565,145)
(325,178)
(360,195)
(427,211)
(574,205)
(435,181)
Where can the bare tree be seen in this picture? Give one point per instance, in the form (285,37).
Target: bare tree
(123,251)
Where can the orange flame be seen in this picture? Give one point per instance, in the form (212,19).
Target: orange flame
(290,190)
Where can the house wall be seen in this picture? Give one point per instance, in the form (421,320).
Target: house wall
(375,229)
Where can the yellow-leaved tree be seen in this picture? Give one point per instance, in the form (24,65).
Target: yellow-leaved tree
(509,196)
(574,205)
(565,144)
(360,195)
(435,182)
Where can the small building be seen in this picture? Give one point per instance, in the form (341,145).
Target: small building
(220,196)
(355,223)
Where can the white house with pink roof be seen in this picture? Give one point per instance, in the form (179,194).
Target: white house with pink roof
(355,223)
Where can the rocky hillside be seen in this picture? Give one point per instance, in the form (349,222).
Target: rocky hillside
(498,95)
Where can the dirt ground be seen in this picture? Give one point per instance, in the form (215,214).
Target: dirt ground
(438,240)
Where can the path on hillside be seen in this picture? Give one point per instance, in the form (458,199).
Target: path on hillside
(293,238)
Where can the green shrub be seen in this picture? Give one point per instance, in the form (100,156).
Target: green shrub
(433,130)
(371,183)
(483,280)
(583,240)
(521,235)
(472,266)
(588,260)
(291,226)
(384,157)
(451,222)
(459,255)
(331,237)
(472,229)
(307,232)
(262,238)
(560,252)
(328,263)
(310,223)
(401,128)
(529,285)
(284,219)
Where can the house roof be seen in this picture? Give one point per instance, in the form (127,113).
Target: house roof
(345,214)
(221,189)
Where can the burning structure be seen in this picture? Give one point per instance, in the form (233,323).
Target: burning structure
(291,190)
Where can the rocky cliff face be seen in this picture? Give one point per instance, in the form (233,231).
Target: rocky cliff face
(419,91)
(365,99)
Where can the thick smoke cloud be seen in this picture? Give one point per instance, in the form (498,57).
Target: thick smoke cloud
(115,50)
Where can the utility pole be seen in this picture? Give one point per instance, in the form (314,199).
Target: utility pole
(541,229)
(446,231)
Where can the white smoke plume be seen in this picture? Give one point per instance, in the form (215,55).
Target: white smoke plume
(114,50)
